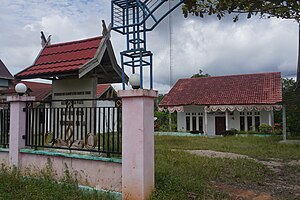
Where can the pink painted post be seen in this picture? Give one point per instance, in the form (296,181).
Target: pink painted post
(137,143)
(17,127)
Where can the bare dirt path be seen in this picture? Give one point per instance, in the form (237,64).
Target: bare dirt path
(281,184)
(272,164)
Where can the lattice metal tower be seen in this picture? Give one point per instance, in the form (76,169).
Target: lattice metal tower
(134,18)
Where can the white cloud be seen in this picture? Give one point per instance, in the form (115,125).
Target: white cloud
(217,47)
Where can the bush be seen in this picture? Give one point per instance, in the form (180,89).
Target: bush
(265,128)
(230,132)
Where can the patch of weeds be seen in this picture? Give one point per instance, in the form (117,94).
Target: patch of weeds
(43,186)
(180,175)
(257,147)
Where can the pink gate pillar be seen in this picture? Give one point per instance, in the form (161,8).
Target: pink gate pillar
(137,143)
(17,127)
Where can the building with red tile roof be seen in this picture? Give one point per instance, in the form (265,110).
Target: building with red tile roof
(215,104)
(76,59)
(106,91)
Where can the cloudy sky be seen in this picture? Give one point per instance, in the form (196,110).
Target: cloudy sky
(216,47)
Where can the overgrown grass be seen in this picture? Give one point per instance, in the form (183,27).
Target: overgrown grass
(42,186)
(180,175)
(256,147)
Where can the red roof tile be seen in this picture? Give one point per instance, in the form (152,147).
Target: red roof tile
(68,57)
(101,88)
(245,89)
(39,90)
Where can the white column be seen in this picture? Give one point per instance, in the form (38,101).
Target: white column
(253,121)
(246,121)
(17,127)
(227,119)
(284,122)
(270,118)
(137,143)
(205,121)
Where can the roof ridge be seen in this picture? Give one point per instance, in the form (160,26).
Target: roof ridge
(232,75)
(74,42)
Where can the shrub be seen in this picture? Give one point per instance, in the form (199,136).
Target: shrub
(230,132)
(265,128)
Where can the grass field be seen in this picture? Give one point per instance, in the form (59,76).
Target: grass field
(181,175)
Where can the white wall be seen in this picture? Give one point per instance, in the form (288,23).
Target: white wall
(233,120)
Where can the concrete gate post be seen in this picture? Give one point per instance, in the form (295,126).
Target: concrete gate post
(17,127)
(137,143)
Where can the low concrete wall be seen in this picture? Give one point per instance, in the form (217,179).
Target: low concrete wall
(97,172)
(4,156)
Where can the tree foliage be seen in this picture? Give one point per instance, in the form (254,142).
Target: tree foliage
(200,74)
(292,102)
(289,9)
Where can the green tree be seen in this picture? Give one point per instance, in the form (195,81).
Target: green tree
(292,102)
(200,74)
(289,9)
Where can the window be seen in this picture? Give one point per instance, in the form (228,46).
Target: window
(242,123)
(201,124)
(257,123)
(249,123)
(187,122)
(194,123)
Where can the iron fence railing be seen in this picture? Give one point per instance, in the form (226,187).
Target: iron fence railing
(79,125)
(4,124)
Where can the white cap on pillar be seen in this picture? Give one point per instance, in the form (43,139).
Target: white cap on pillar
(134,81)
(21,88)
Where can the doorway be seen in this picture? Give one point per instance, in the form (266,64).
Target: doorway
(220,125)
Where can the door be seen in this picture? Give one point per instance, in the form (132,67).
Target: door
(220,125)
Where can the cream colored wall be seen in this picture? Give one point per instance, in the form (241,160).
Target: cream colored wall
(233,120)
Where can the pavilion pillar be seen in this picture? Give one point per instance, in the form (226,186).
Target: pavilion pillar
(17,127)
(137,143)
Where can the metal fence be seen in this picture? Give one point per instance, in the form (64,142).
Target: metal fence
(4,124)
(79,125)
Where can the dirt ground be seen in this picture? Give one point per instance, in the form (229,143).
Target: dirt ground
(284,183)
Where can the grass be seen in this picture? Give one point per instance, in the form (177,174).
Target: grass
(253,146)
(42,186)
(178,174)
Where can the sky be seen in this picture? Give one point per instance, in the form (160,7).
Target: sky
(218,47)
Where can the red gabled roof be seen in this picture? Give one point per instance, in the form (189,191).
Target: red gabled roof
(62,58)
(101,88)
(245,89)
(39,90)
